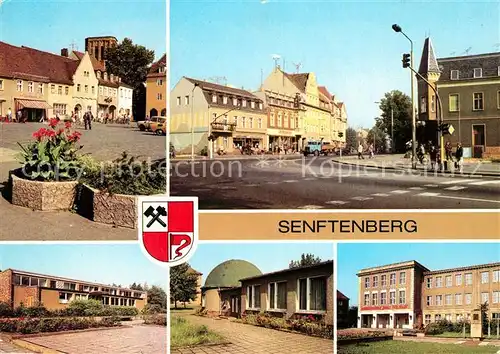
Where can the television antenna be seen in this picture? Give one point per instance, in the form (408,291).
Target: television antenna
(73,46)
(297,66)
(466,52)
(218,80)
(453,53)
(276,58)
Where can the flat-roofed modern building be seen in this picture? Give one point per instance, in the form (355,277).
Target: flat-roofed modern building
(402,295)
(20,287)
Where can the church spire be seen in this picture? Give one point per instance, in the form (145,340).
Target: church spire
(428,63)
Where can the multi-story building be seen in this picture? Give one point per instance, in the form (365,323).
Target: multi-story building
(469,88)
(97,46)
(235,287)
(337,124)
(390,295)
(405,294)
(213,116)
(156,89)
(125,99)
(30,289)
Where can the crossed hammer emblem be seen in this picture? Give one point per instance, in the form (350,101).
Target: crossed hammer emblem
(155,214)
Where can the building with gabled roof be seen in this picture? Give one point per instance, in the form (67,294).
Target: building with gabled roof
(156,88)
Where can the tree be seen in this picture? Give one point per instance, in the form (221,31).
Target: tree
(378,138)
(157,296)
(401,107)
(131,63)
(352,317)
(305,260)
(351,139)
(183,284)
(136,286)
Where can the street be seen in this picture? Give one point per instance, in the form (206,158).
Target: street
(320,183)
(103,142)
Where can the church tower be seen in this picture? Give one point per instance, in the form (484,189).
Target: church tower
(429,68)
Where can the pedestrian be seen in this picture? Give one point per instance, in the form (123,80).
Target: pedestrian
(9,115)
(370,149)
(448,150)
(459,155)
(360,152)
(106,118)
(433,154)
(19,116)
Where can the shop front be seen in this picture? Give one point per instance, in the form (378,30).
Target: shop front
(31,110)
(282,140)
(244,142)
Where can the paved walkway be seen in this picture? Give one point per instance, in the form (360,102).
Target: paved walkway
(6,347)
(134,340)
(256,340)
(458,341)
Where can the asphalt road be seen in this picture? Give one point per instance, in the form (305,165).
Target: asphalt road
(320,183)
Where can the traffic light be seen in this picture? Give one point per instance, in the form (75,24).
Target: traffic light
(406,60)
(446,128)
(341,134)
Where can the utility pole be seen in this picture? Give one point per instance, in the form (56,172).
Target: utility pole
(392,129)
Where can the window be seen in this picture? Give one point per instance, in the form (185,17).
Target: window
(31,86)
(458,299)
(224,99)
(458,279)
(455,74)
(402,297)
(260,105)
(159,82)
(367,299)
(375,281)
(429,301)
(59,90)
(272,125)
(77,87)
(439,282)
(383,280)
(448,317)
(383,298)
(244,103)
(433,103)
(279,120)
(437,317)
(374,299)
(392,297)
(427,319)
(312,294)
(367,282)
(468,278)
(214,98)
(101,90)
(484,298)
(468,299)
(40,89)
(439,300)
(402,278)
(447,299)
(259,123)
(478,73)
(1,84)
(93,90)
(496,276)
(186,100)
(59,109)
(64,298)
(243,122)
(429,283)
(498,99)
(277,295)
(86,88)
(253,293)
(485,277)
(478,101)
(496,297)
(423,105)
(252,104)
(159,96)
(178,100)
(19,85)
(448,281)
(392,279)
(250,122)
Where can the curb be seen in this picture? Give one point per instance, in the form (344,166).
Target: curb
(423,173)
(231,158)
(35,347)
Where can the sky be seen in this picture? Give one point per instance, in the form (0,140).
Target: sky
(352,257)
(51,25)
(350,46)
(122,264)
(268,257)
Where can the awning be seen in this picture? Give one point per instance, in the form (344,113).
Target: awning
(34,104)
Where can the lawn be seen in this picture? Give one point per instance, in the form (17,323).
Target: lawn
(185,334)
(395,346)
(460,335)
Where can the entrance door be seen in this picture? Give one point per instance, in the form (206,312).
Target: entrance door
(478,139)
(235,306)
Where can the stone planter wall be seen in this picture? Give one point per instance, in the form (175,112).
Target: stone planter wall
(112,209)
(42,195)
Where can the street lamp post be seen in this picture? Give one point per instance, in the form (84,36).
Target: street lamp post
(210,143)
(397,28)
(192,121)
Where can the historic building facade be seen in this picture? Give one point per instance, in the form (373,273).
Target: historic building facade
(20,287)
(156,89)
(469,88)
(408,294)
(98,46)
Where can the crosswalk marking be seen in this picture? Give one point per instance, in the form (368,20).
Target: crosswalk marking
(310,179)
(380,195)
(417,188)
(458,181)
(361,198)
(336,202)
(428,194)
(251,185)
(481,183)
(398,191)
(290,181)
(455,188)
(431,185)
(273,182)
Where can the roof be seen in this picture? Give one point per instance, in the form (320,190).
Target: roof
(32,64)
(228,274)
(108,83)
(101,37)
(341,296)
(39,275)
(299,80)
(393,266)
(288,270)
(95,63)
(428,62)
(210,86)
(472,267)
(154,69)
(324,91)
(465,65)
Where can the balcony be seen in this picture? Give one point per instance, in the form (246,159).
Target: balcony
(223,127)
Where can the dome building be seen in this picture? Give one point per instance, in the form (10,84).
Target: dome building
(221,293)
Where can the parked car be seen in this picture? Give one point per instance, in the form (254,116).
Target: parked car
(317,148)
(158,126)
(142,125)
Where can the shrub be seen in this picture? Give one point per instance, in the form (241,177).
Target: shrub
(159,320)
(53,154)
(5,310)
(204,151)
(85,308)
(151,309)
(434,328)
(38,325)
(34,311)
